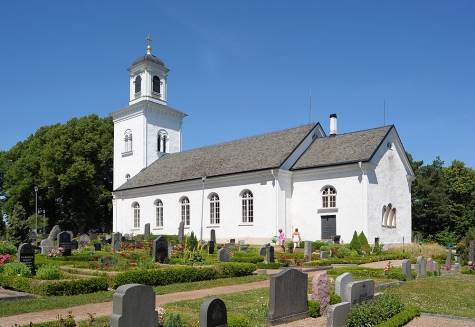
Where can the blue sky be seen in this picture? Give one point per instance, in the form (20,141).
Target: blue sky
(242,68)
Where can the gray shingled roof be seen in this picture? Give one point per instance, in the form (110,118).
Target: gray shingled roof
(250,154)
(343,148)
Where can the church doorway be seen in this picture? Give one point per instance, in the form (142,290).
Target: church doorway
(328,227)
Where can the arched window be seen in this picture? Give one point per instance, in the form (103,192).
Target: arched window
(156,84)
(382,215)
(386,223)
(158,213)
(392,218)
(329,197)
(136,207)
(162,140)
(138,84)
(247,207)
(214,209)
(185,211)
(128,141)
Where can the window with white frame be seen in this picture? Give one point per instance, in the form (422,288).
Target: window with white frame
(128,140)
(214,209)
(185,211)
(136,207)
(162,141)
(329,197)
(158,213)
(389,216)
(247,207)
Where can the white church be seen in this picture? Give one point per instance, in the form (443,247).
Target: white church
(247,189)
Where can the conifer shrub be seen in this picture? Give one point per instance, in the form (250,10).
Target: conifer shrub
(173,320)
(355,243)
(402,318)
(364,243)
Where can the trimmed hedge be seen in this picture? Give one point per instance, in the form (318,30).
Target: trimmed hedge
(375,312)
(401,318)
(269,265)
(181,274)
(248,258)
(363,272)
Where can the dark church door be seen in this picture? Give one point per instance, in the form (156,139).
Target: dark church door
(328,227)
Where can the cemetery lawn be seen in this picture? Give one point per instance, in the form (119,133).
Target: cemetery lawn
(10,308)
(451,295)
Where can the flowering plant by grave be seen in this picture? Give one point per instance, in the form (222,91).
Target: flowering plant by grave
(56,252)
(388,267)
(161,316)
(4,258)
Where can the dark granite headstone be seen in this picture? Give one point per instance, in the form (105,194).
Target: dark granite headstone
(224,255)
(262,251)
(146,232)
(211,247)
(160,249)
(134,305)
(213,313)
(243,248)
(117,246)
(212,236)
(270,254)
(288,297)
(323,255)
(26,255)
(64,241)
(181,231)
(74,245)
(97,246)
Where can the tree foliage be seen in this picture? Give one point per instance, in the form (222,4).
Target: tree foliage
(72,166)
(18,228)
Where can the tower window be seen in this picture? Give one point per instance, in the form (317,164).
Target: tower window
(138,84)
(156,84)
(162,141)
(128,141)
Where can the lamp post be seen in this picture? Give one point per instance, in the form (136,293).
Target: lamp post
(44,221)
(203,178)
(36,209)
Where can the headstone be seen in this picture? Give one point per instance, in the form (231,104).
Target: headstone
(224,255)
(54,233)
(262,251)
(448,260)
(117,246)
(46,246)
(406,268)
(430,264)
(241,242)
(266,245)
(336,239)
(64,241)
(108,237)
(340,284)
(212,236)
(436,266)
(160,249)
(323,255)
(270,254)
(457,257)
(70,234)
(288,297)
(422,263)
(418,270)
(74,245)
(134,305)
(181,231)
(211,247)
(93,237)
(84,239)
(233,241)
(126,236)
(32,236)
(337,314)
(107,261)
(26,255)
(307,250)
(470,250)
(231,246)
(359,292)
(213,313)
(116,237)
(321,292)
(146,232)
(243,248)
(97,247)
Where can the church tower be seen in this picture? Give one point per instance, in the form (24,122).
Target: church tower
(147,128)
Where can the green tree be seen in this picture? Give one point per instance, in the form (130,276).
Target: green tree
(18,228)
(72,166)
(355,243)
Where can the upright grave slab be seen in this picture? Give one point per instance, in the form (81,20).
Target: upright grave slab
(422,266)
(263,251)
(46,246)
(340,285)
(321,292)
(64,241)
(323,255)
(337,314)
(288,297)
(211,247)
(74,245)
(84,239)
(307,250)
(116,242)
(243,248)
(430,265)
(448,260)
(54,233)
(146,232)
(406,268)
(26,255)
(212,236)
(359,292)
(224,255)
(470,251)
(160,249)
(93,237)
(270,254)
(134,305)
(213,313)
(181,231)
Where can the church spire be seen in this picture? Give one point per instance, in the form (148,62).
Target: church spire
(149,47)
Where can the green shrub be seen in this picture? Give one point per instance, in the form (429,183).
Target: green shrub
(7,248)
(237,321)
(313,308)
(355,244)
(48,272)
(325,248)
(364,272)
(248,258)
(334,298)
(70,286)
(375,312)
(269,265)
(16,269)
(395,273)
(173,320)
(463,246)
(343,252)
(401,318)
(317,245)
(429,273)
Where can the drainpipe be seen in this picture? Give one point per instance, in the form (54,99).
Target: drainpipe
(276,203)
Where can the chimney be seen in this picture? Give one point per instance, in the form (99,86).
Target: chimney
(332,124)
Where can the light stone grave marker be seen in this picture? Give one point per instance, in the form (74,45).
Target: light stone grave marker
(307,250)
(359,292)
(430,264)
(224,255)
(406,268)
(340,284)
(46,246)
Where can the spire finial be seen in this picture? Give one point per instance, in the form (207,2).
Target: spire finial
(149,47)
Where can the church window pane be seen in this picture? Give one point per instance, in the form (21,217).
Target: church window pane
(136,215)
(329,198)
(214,209)
(185,211)
(247,207)
(138,84)
(128,141)
(156,84)
(159,213)
(162,141)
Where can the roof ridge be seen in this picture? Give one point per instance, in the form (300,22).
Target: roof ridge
(363,130)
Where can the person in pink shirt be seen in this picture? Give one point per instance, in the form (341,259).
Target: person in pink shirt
(282,240)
